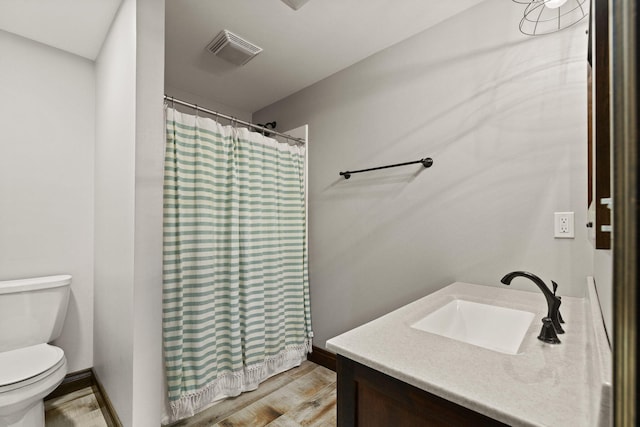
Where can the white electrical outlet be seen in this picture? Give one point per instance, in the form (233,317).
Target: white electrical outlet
(563,225)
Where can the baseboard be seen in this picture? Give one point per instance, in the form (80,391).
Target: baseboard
(78,380)
(323,358)
(108,411)
(74,381)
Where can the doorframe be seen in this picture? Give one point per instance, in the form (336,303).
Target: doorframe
(624,23)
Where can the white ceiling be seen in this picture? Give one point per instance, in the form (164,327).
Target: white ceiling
(76,26)
(300,47)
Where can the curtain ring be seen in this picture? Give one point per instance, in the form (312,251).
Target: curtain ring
(197,111)
(215,117)
(173,102)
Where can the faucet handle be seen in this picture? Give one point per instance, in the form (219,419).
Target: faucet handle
(555,287)
(548,332)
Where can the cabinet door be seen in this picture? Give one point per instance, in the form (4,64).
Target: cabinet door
(369,398)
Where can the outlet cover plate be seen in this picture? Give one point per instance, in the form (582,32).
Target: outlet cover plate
(563,225)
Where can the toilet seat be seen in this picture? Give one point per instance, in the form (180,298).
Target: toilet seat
(24,366)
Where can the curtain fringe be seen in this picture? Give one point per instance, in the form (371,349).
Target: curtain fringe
(233,383)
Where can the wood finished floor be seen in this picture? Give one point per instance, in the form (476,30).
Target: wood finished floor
(303,396)
(80,408)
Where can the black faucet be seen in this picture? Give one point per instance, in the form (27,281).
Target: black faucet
(553,302)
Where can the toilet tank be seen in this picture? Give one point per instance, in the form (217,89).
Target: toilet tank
(32,311)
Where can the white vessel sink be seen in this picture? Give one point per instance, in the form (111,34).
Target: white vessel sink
(489,326)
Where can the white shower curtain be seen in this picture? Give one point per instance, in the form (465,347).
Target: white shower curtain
(235,282)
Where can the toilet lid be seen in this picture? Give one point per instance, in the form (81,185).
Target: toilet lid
(23,363)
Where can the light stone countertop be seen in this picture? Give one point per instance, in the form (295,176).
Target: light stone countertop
(542,385)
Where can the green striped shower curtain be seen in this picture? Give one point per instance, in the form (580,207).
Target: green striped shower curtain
(235,283)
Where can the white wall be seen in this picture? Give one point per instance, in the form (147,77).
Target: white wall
(46,177)
(148,369)
(504,117)
(114,210)
(202,101)
(128,224)
(61,116)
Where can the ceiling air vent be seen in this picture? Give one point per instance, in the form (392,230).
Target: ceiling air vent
(233,48)
(295,4)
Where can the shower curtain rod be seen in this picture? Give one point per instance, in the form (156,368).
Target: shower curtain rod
(233,119)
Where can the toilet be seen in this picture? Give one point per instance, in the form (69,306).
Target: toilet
(32,313)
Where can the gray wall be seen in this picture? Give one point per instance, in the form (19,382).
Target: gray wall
(128,205)
(46,177)
(114,210)
(204,102)
(504,117)
(148,369)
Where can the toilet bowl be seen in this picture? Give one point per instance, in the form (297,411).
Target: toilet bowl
(32,312)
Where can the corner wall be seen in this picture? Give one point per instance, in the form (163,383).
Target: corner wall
(115,209)
(46,177)
(128,242)
(148,372)
(504,117)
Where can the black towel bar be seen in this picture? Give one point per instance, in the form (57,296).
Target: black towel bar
(426,162)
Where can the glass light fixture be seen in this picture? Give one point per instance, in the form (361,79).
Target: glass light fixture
(554,4)
(549,16)
(295,4)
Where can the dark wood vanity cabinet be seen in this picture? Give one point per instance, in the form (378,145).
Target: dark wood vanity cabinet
(369,398)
